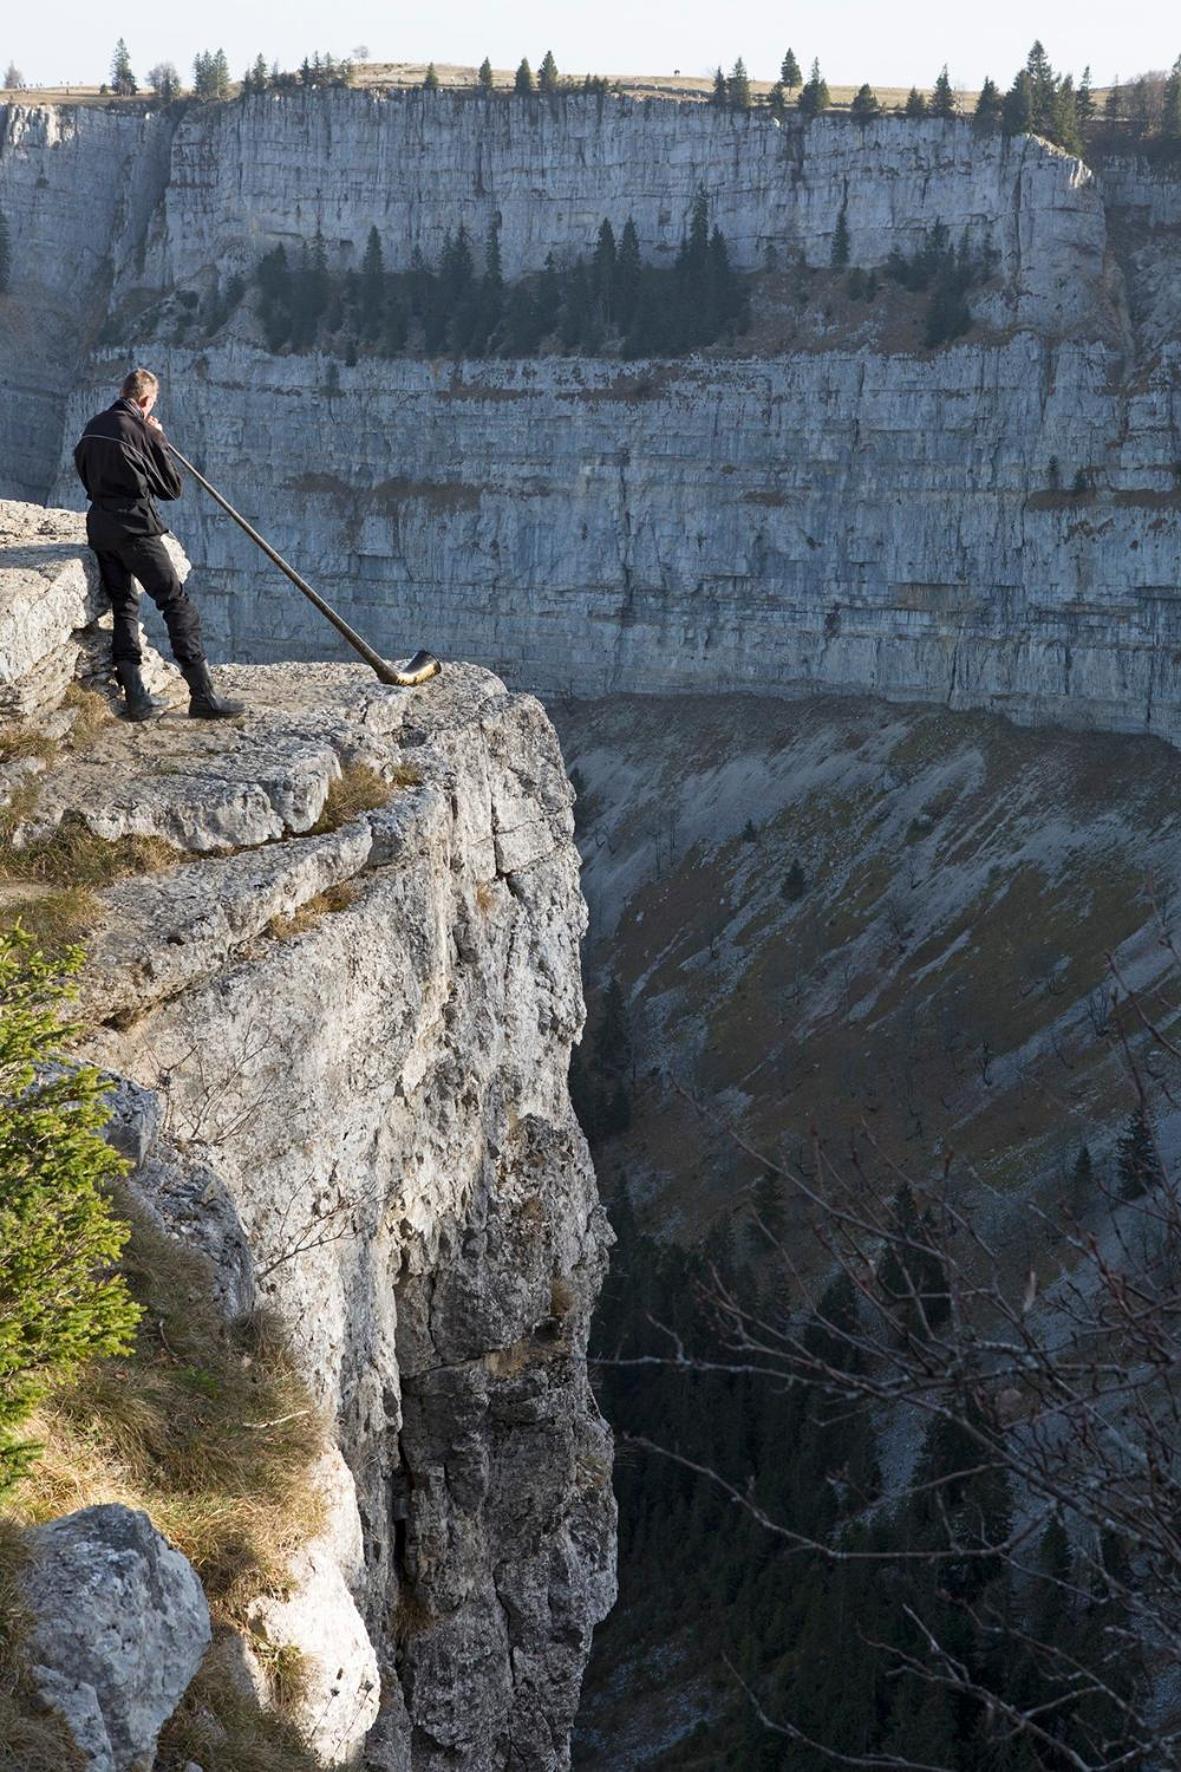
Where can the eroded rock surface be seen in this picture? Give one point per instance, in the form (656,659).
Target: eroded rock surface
(338,1060)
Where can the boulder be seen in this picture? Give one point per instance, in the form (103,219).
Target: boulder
(120,1625)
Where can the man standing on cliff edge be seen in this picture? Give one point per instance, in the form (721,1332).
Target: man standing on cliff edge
(123,463)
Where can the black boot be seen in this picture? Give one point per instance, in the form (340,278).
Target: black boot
(138,703)
(204,701)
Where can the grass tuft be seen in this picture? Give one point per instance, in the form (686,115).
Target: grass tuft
(357,789)
(22,741)
(54,919)
(91,712)
(219,1723)
(205,1426)
(73,856)
(306,916)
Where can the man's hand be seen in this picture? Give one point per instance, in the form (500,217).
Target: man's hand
(154,423)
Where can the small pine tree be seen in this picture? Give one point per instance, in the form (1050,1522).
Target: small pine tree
(1082,1183)
(259,76)
(1017,110)
(1136,1160)
(789,73)
(430,80)
(795,883)
(943,99)
(628,275)
(865,106)
(986,119)
(814,95)
(1085,99)
(13,78)
(123,81)
(5,255)
(485,76)
(60,1303)
(720,95)
(840,240)
(916,104)
(738,87)
(547,74)
(523,80)
(372,287)
(777,99)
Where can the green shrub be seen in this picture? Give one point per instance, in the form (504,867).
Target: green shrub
(60,1303)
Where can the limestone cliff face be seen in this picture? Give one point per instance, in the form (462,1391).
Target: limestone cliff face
(995,524)
(345,1058)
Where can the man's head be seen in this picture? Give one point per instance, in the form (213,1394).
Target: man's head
(142,387)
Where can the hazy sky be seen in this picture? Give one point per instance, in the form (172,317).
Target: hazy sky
(891,45)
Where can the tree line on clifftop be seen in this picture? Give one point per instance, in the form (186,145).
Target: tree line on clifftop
(1041,100)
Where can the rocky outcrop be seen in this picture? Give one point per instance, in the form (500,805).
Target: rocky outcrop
(119,1628)
(344,1057)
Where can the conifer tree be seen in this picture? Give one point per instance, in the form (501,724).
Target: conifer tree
(613,1041)
(430,80)
(789,73)
(1084,103)
(5,254)
(814,97)
(865,106)
(372,289)
(777,99)
(1137,1165)
(1017,110)
(547,74)
(916,104)
(60,1302)
(738,87)
(13,78)
(1082,1182)
(603,273)
(628,274)
(986,118)
(1041,84)
(123,81)
(840,241)
(492,289)
(485,75)
(943,99)
(523,80)
(1113,104)
(720,95)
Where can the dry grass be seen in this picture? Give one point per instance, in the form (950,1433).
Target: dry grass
(55,918)
(218,1724)
(21,741)
(74,856)
(485,896)
(91,711)
(357,789)
(31,1740)
(205,1427)
(306,916)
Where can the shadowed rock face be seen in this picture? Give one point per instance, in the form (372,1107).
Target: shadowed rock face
(344,1058)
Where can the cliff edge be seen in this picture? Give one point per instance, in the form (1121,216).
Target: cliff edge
(338,1009)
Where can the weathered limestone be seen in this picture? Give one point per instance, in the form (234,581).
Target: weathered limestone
(339,1065)
(120,1625)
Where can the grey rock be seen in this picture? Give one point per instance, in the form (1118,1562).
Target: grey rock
(120,1626)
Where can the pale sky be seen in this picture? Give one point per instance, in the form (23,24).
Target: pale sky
(889,45)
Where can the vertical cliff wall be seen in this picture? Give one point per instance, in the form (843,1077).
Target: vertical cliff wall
(991,524)
(345,1042)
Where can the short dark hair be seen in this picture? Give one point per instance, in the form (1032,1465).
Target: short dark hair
(138,383)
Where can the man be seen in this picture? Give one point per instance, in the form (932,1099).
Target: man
(123,463)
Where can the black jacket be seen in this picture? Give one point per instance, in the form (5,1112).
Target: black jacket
(125,468)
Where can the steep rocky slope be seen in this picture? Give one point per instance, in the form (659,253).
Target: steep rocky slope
(937,970)
(344,1038)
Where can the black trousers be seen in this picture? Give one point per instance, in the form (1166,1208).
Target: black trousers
(144,557)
